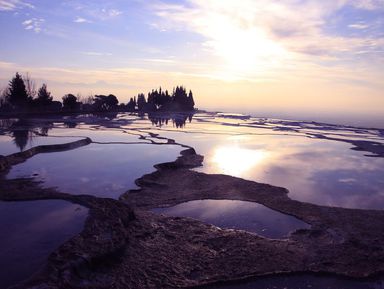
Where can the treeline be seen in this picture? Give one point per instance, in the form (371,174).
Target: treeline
(22,96)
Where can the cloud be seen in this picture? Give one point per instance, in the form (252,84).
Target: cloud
(33,24)
(94,53)
(358,26)
(112,12)
(368,4)
(252,37)
(94,11)
(11,5)
(104,13)
(160,60)
(81,20)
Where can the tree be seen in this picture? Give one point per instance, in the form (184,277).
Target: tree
(17,93)
(141,102)
(70,102)
(44,97)
(160,100)
(4,104)
(105,103)
(131,105)
(191,102)
(30,86)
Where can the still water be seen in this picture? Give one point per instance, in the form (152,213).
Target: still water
(238,215)
(286,153)
(103,170)
(30,231)
(291,154)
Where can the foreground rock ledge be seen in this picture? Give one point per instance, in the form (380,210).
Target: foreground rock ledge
(122,249)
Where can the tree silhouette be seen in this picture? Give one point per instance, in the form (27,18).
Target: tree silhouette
(21,95)
(17,94)
(30,86)
(158,100)
(131,105)
(141,102)
(70,102)
(191,102)
(105,103)
(44,97)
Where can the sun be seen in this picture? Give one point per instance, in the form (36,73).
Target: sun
(245,51)
(236,161)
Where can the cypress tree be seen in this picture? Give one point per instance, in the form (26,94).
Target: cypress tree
(44,97)
(17,93)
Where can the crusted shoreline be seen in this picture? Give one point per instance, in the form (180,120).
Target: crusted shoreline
(123,245)
(13,159)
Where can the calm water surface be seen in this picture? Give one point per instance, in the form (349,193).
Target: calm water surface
(238,215)
(104,170)
(325,172)
(279,152)
(30,231)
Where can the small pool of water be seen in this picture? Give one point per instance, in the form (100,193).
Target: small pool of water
(103,170)
(239,215)
(10,145)
(305,281)
(30,231)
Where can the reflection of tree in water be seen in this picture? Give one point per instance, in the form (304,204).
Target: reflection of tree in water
(21,138)
(22,132)
(178,120)
(6,123)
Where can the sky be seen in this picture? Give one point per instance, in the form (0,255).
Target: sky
(251,55)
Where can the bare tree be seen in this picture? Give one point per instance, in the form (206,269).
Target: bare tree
(85,99)
(30,86)
(3,96)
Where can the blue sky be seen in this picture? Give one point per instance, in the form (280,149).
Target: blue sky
(275,55)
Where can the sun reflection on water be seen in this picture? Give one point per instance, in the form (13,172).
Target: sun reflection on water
(235,160)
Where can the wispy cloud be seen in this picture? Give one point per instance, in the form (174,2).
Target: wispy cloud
(81,20)
(159,60)
(104,13)
(94,53)
(368,4)
(112,12)
(34,24)
(11,5)
(254,36)
(94,11)
(358,26)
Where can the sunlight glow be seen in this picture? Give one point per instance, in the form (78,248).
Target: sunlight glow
(245,52)
(235,161)
(248,51)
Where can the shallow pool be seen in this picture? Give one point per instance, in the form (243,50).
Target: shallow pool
(239,215)
(30,231)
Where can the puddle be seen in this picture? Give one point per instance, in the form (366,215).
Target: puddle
(239,215)
(102,170)
(30,231)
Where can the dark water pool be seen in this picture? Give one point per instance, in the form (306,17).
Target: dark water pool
(103,170)
(238,215)
(30,231)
